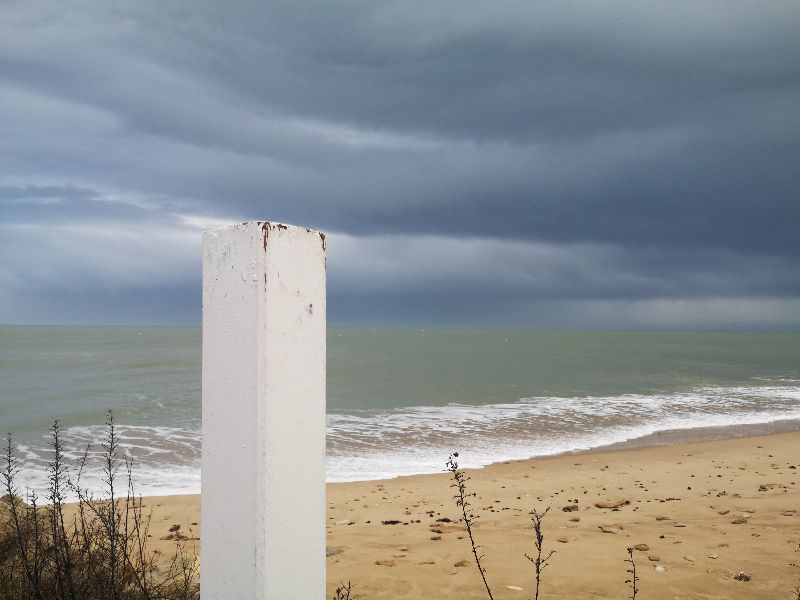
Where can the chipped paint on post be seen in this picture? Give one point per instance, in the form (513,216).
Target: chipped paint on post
(263,465)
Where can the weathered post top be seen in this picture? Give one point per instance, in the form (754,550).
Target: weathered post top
(263,464)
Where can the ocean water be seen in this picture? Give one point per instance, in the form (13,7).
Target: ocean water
(399,401)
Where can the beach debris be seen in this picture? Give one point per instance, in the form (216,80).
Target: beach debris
(385,563)
(427,562)
(570,508)
(713,556)
(724,512)
(461,563)
(659,569)
(611,503)
(641,547)
(741,576)
(663,518)
(562,540)
(514,588)
(679,524)
(739,521)
(607,530)
(333,550)
(390,522)
(174,535)
(690,558)
(788,513)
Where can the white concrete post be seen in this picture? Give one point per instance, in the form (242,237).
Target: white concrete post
(262,525)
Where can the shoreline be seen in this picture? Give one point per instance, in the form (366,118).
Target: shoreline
(689,435)
(666,437)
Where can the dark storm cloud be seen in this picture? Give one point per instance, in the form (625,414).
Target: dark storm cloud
(518,154)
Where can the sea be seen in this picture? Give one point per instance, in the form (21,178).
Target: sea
(399,401)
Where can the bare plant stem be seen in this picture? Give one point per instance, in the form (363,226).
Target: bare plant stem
(539,563)
(461,497)
(9,473)
(796,566)
(634,580)
(344,592)
(102,554)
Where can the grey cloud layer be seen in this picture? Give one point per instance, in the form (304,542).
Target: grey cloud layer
(528,153)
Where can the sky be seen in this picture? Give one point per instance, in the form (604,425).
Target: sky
(549,164)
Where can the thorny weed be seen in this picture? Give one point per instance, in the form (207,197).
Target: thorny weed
(634,579)
(344,592)
(796,591)
(95,550)
(462,501)
(539,563)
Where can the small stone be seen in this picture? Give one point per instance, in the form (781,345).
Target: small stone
(713,556)
(641,547)
(461,563)
(612,503)
(662,518)
(607,530)
(436,537)
(385,563)
(679,524)
(653,558)
(570,508)
(562,540)
(741,576)
(788,513)
(724,512)
(575,519)
(739,521)
(660,569)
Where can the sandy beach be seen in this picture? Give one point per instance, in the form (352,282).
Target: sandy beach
(699,514)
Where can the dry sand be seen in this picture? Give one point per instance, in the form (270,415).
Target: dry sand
(703,511)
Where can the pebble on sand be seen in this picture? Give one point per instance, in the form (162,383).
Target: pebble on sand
(612,503)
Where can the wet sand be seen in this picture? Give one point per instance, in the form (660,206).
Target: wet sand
(700,513)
